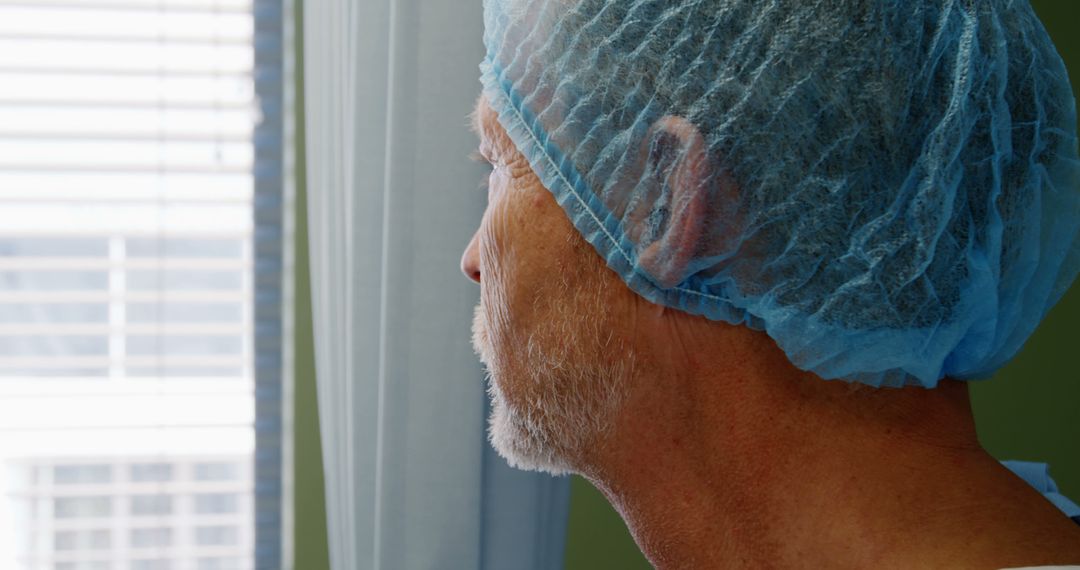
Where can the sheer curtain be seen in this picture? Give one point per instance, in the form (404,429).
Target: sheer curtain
(410,480)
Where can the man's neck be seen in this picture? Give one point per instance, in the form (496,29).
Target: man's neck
(779,474)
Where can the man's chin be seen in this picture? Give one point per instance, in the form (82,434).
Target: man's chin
(549,407)
(522,445)
(513,439)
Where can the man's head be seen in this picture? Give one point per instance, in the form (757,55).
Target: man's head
(558,362)
(886,187)
(561,335)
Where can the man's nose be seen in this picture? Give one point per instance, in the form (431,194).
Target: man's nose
(470,260)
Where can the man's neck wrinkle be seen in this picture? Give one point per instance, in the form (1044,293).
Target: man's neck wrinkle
(745,467)
(724,455)
(749,507)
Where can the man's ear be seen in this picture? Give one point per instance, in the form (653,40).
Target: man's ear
(667,218)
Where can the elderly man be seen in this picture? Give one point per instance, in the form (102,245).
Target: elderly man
(700,211)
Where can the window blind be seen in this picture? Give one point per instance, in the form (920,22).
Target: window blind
(140,217)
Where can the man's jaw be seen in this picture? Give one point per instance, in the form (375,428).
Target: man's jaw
(512,435)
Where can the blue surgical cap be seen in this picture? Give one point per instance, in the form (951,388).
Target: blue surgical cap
(889,188)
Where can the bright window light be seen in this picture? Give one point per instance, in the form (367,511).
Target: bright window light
(126,284)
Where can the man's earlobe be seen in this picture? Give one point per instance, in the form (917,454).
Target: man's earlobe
(670,210)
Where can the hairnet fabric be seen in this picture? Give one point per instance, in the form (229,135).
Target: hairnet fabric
(889,188)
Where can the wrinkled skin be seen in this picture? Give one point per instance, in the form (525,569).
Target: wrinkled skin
(557,362)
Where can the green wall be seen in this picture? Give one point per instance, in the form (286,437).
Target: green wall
(310,546)
(1030,410)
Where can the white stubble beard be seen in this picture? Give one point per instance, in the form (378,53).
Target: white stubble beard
(572,397)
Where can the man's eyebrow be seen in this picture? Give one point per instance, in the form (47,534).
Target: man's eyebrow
(475,123)
(478,156)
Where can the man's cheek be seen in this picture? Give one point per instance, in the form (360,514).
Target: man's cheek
(496,263)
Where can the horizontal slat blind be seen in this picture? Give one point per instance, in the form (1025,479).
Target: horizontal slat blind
(127,283)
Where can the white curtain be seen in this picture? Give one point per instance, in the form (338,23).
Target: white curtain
(410,480)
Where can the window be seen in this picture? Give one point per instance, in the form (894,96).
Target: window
(151,564)
(84,474)
(179,313)
(140,249)
(216,535)
(151,472)
(216,471)
(84,565)
(96,539)
(151,505)
(151,537)
(82,507)
(216,503)
(218,564)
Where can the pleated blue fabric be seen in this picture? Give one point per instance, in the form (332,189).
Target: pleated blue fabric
(889,188)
